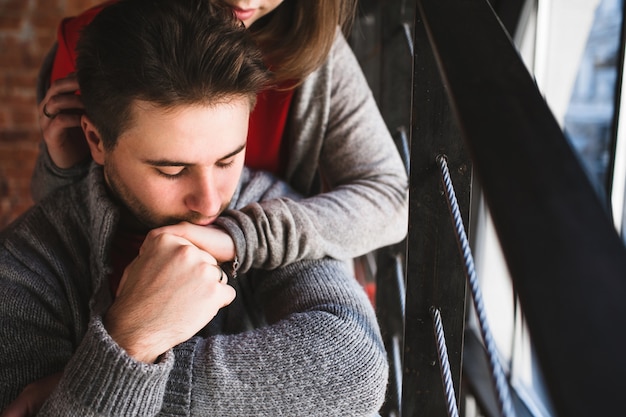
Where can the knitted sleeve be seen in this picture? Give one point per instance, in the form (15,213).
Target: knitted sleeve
(102,380)
(47,177)
(321,353)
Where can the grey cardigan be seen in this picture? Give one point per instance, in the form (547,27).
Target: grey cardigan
(336,137)
(299,341)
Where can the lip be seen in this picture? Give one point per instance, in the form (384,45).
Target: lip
(243,14)
(204,222)
(200,220)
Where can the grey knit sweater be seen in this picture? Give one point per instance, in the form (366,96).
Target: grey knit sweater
(335,133)
(299,341)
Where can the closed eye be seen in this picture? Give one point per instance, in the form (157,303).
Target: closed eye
(225,164)
(172,172)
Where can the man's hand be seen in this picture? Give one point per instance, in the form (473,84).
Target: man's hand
(59,119)
(30,400)
(211,239)
(166,295)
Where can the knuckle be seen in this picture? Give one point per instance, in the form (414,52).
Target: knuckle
(53,100)
(153,234)
(206,270)
(186,251)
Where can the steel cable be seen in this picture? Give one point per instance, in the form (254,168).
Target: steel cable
(497,373)
(444,363)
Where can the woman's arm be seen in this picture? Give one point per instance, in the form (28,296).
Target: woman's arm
(341,137)
(63,157)
(63,153)
(338,135)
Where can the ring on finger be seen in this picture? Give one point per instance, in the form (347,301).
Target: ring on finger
(48,115)
(222,274)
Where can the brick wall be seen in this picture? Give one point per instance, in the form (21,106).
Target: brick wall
(27,30)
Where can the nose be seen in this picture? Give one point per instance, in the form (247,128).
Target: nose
(204,197)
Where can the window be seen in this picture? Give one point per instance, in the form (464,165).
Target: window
(572,49)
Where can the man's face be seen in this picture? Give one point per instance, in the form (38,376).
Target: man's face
(180,164)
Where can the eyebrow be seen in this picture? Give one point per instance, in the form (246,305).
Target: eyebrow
(173,163)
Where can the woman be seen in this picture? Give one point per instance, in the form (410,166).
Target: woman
(318,128)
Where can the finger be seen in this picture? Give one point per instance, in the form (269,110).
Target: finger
(68,84)
(30,400)
(61,103)
(222,277)
(190,232)
(16,409)
(228,295)
(57,126)
(169,235)
(66,101)
(222,294)
(182,229)
(212,239)
(64,86)
(174,229)
(159,237)
(65,140)
(194,234)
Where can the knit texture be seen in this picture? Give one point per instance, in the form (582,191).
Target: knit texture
(301,340)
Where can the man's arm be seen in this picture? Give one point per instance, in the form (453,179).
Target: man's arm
(320,354)
(122,368)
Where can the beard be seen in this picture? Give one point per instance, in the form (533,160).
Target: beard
(135,215)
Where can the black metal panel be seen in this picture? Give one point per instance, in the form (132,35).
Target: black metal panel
(509,13)
(435,275)
(567,262)
(396,64)
(382,41)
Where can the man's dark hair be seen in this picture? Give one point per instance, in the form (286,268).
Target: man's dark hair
(166,52)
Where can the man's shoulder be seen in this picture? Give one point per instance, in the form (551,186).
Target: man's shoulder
(53,218)
(47,246)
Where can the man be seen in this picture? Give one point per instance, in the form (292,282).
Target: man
(132,319)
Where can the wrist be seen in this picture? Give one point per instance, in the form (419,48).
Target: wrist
(131,339)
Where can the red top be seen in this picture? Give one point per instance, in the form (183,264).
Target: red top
(267,121)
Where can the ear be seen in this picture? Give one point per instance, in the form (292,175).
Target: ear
(94,140)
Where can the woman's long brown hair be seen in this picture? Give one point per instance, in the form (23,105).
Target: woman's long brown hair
(297,37)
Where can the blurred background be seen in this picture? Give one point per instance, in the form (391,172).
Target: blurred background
(27,31)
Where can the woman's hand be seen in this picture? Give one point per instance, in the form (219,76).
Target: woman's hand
(211,239)
(59,118)
(30,400)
